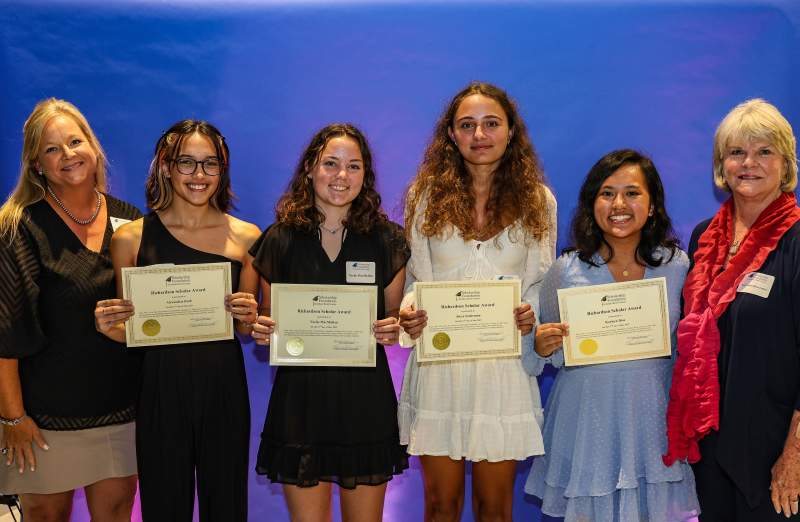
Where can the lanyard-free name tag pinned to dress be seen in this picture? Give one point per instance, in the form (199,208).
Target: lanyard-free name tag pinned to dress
(360,272)
(117,222)
(757,284)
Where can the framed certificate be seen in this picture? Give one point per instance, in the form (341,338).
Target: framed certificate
(468,319)
(177,304)
(615,322)
(323,325)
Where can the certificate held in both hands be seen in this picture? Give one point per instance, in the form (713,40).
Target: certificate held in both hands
(176,304)
(468,320)
(323,325)
(615,322)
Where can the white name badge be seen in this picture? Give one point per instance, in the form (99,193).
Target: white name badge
(117,222)
(360,272)
(757,284)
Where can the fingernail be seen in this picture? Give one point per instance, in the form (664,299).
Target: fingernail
(46,447)
(33,469)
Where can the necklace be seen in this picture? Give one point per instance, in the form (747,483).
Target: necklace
(331,230)
(70,214)
(625,272)
(736,243)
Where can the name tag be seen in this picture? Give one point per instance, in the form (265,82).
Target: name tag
(117,222)
(757,284)
(360,272)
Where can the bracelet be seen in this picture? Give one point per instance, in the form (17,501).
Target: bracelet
(12,422)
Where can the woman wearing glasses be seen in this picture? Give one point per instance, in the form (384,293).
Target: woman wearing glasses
(193,416)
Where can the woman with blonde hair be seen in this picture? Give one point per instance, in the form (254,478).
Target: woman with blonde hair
(67,393)
(478,209)
(734,408)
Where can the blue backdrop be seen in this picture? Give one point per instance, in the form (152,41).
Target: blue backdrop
(589,76)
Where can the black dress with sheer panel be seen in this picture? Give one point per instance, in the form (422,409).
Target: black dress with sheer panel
(72,376)
(331,424)
(193,416)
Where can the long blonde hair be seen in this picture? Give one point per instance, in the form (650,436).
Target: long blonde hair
(31,186)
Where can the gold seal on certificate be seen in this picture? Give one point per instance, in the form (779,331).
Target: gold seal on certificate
(323,325)
(615,322)
(177,304)
(468,319)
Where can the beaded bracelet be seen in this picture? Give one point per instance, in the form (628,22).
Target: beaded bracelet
(12,422)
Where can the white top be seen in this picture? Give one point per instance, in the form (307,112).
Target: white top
(486,409)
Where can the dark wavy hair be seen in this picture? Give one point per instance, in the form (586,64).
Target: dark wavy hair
(587,237)
(296,205)
(518,190)
(158,189)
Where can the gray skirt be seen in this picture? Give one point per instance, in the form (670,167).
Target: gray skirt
(75,459)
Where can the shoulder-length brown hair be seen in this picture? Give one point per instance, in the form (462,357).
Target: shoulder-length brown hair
(158,189)
(517,194)
(296,206)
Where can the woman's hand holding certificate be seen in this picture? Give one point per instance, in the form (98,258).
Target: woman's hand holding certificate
(615,322)
(177,304)
(324,325)
(470,320)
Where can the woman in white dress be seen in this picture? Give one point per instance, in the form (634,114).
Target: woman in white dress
(478,209)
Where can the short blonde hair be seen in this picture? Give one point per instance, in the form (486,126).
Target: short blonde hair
(751,120)
(31,185)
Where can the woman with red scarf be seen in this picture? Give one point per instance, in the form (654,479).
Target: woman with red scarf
(734,407)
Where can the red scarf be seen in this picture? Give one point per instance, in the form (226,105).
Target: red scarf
(694,397)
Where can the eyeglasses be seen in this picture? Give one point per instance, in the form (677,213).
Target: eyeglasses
(187,165)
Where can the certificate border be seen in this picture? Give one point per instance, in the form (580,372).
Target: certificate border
(130,272)
(659,282)
(426,355)
(275,358)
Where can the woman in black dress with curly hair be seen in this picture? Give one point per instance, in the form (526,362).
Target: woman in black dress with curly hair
(330,425)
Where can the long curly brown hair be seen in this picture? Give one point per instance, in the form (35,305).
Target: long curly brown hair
(296,205)
(518,192)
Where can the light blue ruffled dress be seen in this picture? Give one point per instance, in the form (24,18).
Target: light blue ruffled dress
(605,425)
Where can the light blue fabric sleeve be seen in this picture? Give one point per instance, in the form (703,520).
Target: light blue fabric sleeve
(548,313)
(675,272)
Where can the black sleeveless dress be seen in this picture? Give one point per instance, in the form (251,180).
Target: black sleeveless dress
(193,416)
(331,424)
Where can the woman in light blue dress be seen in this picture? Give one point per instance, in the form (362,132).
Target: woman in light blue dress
(604,430)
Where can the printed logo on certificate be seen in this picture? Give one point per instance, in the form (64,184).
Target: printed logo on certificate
(615,322)
(177,304)
(323,325)
(468,320)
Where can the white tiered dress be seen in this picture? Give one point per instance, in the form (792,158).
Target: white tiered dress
(486,409)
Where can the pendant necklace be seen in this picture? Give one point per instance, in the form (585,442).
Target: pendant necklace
(625,272)
(331,230)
